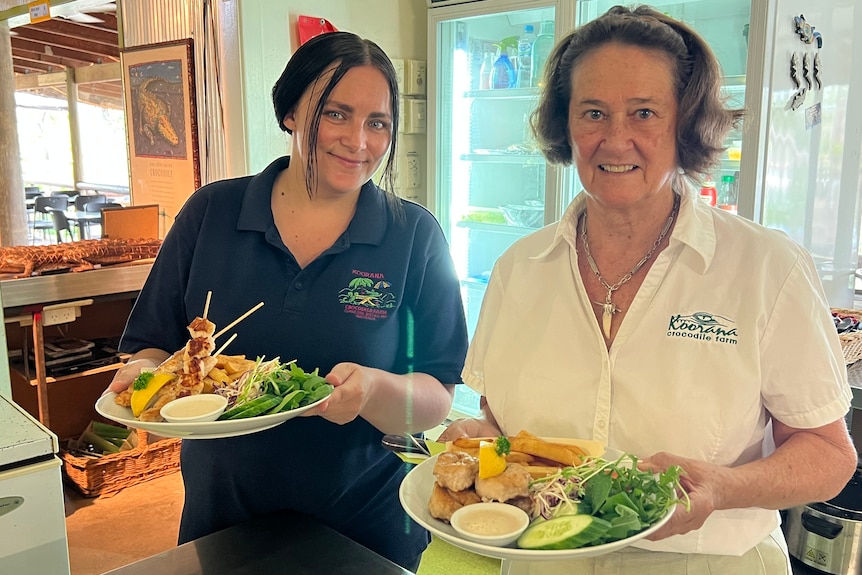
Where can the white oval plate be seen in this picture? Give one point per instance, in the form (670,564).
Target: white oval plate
(197,429)
(415,491)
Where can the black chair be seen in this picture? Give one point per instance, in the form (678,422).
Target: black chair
(83,200)
(70,194)
(31,192)
(61,223)
(42,205)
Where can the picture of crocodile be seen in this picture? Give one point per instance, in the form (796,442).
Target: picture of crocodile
(154,115)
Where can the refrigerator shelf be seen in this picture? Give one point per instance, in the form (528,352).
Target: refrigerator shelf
(495,228)
(473,283)
(507,94)
(503,158)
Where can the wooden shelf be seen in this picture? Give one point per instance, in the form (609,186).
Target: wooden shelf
(19,369)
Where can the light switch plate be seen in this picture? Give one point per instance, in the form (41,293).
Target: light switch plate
(415,77)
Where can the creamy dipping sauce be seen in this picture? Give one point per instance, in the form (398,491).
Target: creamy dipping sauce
(489,522)
(201,406)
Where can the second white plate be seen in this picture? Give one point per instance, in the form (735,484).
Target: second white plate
(415,491)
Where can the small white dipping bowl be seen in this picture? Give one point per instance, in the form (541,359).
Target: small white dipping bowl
(192,408)
(496,524)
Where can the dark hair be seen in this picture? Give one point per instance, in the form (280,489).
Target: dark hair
(339,52)
(703,121)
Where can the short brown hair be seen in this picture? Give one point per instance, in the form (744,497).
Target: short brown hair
(703,119)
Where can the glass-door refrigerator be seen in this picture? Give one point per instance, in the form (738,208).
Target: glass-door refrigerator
(795,165)
(488,183)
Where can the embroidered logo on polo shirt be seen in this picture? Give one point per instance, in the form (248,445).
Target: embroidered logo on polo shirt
(704,326)
(367,296)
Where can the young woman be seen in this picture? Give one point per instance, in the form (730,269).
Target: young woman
(355,282)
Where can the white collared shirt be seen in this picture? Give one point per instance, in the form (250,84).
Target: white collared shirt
(730,324)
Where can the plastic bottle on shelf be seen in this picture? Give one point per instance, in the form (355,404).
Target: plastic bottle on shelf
(708,193)
(525,57)
(503,74)
(727,194)
(486,70)
(542,46)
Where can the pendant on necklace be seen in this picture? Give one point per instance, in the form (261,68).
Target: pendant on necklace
(609,308)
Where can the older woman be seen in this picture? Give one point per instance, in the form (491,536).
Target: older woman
(659,325)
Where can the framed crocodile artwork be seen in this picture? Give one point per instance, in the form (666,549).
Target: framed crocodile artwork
(161,124)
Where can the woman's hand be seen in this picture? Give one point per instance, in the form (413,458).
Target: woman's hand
(127,374)
(146,359)
(352,383)
(470,427)
(700,480)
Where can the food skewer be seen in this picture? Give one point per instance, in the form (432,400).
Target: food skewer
(207,304)
(237,320)
(222,348)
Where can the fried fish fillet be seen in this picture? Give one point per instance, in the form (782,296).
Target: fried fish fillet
(455,470)
(444,502)
(513,482)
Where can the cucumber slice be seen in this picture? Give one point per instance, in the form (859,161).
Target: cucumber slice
(564,532)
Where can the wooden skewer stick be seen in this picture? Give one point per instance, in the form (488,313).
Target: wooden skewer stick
(224,345)
(239,319)
(207,304)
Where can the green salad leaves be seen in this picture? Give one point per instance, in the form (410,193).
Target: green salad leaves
(274,387)
(628,499)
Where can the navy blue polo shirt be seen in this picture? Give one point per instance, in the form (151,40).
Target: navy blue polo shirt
(385,295)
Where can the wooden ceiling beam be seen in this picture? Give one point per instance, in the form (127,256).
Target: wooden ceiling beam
(83,56)
(47,58)
(75,30)
(56,40)
(31,65)
(37,64)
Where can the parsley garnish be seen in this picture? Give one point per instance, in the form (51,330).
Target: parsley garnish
(503,445)
(142,381)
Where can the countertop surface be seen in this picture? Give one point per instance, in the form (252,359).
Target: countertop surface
(21,437)
(271,545)
(46,289)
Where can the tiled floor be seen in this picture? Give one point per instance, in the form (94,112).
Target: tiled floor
(109,532)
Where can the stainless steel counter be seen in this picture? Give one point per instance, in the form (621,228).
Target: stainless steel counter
(48,289)
(26,301)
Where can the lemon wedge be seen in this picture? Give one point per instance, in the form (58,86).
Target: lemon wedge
(141,398)
(491,463)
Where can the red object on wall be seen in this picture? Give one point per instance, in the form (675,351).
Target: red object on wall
(311,26)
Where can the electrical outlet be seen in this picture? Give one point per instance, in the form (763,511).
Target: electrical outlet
(399,74)
(412,170)
(414,116)
(408,174)
(58,315)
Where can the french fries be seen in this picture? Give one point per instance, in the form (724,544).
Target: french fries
(541,457)
(566,455)
(234,364)
(219,375)
(228,368)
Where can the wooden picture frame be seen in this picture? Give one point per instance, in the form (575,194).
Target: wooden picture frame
(161,125)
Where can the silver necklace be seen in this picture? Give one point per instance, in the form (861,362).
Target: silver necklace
(609,308)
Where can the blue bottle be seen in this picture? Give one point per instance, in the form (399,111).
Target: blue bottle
(503,74)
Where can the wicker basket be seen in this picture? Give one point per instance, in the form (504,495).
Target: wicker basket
(110,474)
(851,343)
